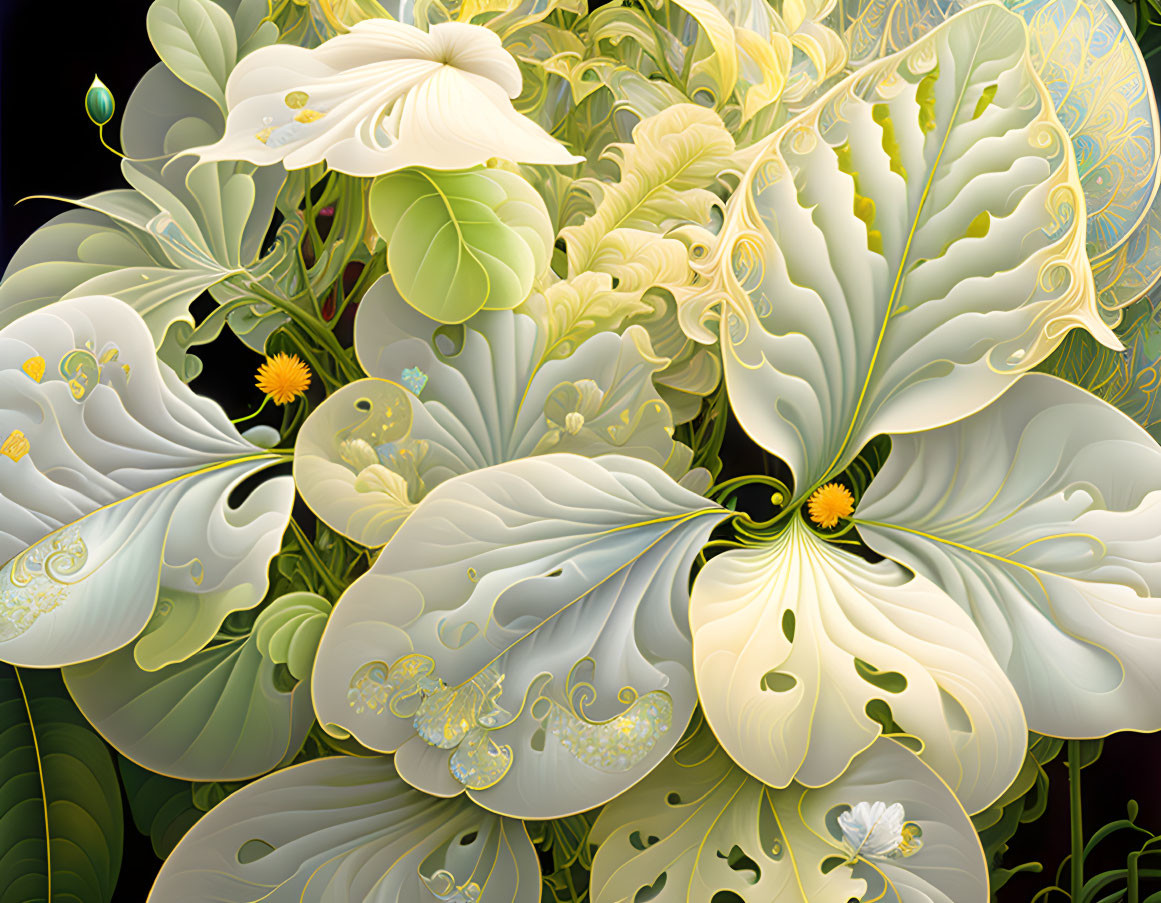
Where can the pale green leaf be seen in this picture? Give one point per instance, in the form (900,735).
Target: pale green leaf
(85,252)
(224,713)
(196,41)
(461,241)
(1040,516)
(524,635)
(347,828)
(289,629)
(158,248)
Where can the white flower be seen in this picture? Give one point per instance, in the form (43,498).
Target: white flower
(382,97)
(873,829)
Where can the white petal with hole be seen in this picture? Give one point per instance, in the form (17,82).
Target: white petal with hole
(700,825)
(798,643)
(347,828)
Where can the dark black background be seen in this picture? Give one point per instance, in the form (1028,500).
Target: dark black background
(49,52)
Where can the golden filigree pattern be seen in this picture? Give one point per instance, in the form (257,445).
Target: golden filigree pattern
(34,367)
(35,582)
(455,718)
(618,744)
(1098,82)
(15,446)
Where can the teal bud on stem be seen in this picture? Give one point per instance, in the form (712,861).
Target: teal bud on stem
(99,102)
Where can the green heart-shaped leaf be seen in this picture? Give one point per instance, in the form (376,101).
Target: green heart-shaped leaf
(461,241)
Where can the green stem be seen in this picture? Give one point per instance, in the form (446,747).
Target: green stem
(568,880)
(315,327)
(246,417)
(376,267)
(311,553)
(1132,880)
(109,147)
(1076,865)
(726,486)
(304,274)
(331,381)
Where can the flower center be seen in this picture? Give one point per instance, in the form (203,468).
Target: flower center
(283,377)
(830,503)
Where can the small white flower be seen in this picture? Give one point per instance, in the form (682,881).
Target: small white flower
(382,97)
(873,829)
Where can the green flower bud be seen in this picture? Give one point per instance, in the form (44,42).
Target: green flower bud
(99,102)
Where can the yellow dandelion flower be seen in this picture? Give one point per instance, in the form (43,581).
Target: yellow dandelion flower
(283,377)
(830,503)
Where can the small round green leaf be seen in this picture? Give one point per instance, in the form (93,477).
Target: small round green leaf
(461,241)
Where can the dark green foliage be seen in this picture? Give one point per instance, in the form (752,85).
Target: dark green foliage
(60,805)
(565,857)
(1023,803)
(162,808)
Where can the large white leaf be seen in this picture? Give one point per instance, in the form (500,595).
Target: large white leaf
(797,644)
(114,480)
(525,634)
(439,407)
(382,97)
(699,825)
(1099,83)
(347,828)
(225,713)
(1040,516)
(898,254)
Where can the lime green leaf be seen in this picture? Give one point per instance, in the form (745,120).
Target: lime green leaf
(196,41)
(666,173)
(287,633)
(60,807)
(461,241)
